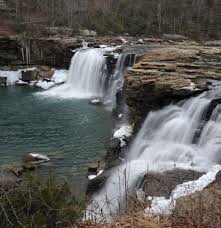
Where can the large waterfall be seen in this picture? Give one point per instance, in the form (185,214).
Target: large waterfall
(86,75)
(169,138)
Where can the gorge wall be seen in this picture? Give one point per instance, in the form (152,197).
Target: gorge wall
(169,74)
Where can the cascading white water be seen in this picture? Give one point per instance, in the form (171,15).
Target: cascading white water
(165,141)
(86,74)
(116,81)
(167,136)
(86,77)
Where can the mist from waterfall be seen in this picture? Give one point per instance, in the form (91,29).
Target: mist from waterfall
(167,139)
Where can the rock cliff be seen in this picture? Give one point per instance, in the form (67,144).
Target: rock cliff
(169,74)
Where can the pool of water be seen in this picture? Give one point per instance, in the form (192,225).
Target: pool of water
(70,131)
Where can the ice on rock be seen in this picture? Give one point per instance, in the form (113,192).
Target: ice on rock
(122,133)
(60,76)
(44,84)
(161,205)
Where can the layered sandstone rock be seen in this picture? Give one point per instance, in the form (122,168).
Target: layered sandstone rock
(170,74)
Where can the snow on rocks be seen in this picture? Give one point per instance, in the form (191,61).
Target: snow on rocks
(44,84)
(36,158)
(161,205)
(123,133)
(95,101)
(91,177)
(59,77)
(21,83)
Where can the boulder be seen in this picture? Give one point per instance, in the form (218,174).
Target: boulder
(28,76)
(35,158)
(3,81)
(162,184)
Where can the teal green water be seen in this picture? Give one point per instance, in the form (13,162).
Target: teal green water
(71,132)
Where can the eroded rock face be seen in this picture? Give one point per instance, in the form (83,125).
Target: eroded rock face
(170,74)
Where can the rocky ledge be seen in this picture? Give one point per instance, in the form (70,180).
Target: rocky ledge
(169,74)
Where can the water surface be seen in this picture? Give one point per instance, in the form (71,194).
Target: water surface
(70,131)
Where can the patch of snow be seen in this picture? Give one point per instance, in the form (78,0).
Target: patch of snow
(60,76)
(125,130)
(44,84)
(120,116)
(122,133)
(91,177)
(103,46)
(100,172)
(40,156)
(95,101)
(161,205)
(20,82)
(33,83)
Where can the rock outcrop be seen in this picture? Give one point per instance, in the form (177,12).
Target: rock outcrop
(55,52)
(170,74)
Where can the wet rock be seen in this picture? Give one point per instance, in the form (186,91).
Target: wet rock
(96,183)
(28,76)
(21,83)
(93,166)
(29,166)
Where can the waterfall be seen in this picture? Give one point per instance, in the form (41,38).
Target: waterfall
(116,80)
(166,140)
(88,78)
(167,136)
